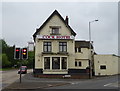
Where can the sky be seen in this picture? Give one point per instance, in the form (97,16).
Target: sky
(20,20)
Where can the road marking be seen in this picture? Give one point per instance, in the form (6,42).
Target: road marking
(112,84)
(107,84)
(72,83)
(49,85)
(75,83)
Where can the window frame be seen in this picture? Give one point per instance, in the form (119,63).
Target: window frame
(64,63)
(48,46)
(103,67)
(77,49)
(44,62)
(63,46)
(53,64)
(76,63)
(55,30)
(80,63)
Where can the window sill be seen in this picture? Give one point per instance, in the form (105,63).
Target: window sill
(55,34)
(47,52)
(78,52)
(55,70)
(62,53)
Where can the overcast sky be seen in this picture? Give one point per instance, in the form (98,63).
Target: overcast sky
(20,20)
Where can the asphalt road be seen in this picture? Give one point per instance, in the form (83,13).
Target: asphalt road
(9,77)
(97,83)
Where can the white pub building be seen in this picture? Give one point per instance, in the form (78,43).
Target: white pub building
(58,54)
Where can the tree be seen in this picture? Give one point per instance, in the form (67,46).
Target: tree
(3,45)
(30,59)
(10,55)
(5,61)
(0,47)
(8,50)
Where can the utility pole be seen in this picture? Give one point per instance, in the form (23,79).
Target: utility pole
(90,57)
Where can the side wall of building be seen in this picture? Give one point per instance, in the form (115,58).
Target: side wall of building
(106,65)
(82,57)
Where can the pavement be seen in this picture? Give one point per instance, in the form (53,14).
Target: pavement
(8,77)
(29,82)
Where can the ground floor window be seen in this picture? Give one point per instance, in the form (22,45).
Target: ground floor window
(56,63)
(103,67)
(64,63)
(47,63)
(75,63)
(78,63)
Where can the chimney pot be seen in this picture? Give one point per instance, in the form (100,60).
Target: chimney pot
(66,20)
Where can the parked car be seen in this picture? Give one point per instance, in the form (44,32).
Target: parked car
(23,70)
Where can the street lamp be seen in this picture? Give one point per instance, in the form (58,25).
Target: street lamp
(90,61)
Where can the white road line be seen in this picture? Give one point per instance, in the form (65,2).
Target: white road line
(107,84)
(115,84)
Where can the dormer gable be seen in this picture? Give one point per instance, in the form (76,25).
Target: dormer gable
(55,25)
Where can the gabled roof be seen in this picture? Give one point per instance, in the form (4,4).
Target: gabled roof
(54,13)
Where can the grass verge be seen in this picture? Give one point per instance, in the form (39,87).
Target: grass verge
(6,69)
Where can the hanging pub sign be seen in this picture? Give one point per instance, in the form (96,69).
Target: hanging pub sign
(54,37)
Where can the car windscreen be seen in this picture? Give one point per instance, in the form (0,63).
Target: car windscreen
(23,68)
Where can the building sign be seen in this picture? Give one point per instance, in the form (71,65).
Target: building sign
(54,37)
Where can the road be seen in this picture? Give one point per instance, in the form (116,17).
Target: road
(9,77)
(97,83)
(110,82)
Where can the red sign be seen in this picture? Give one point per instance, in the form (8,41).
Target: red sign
(54,37)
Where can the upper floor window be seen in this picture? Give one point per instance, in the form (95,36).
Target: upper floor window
(77,49)
(47,47)
(55,30)
(78,63)
(75,63)
(63,46)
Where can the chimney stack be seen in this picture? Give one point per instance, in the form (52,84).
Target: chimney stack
(66,20)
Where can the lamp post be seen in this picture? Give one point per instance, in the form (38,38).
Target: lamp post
(90,60)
